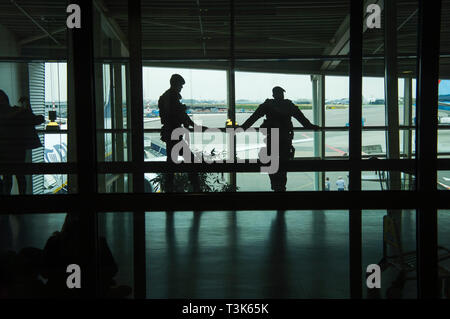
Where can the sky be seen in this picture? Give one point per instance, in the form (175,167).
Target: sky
(212,84)
(444,87)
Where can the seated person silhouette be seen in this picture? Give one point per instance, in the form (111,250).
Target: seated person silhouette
(63,248)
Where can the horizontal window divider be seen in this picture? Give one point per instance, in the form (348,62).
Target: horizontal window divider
(38,168)
(114,130)
(262,201)
(295,129)
(306,165)
(59,59)
(297,165)
(276,58)
(164,59)
(443,164)
(51,131)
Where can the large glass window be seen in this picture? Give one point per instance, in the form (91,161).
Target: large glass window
(389,241)
(231,55)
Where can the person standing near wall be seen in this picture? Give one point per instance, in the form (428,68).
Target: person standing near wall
(17,135)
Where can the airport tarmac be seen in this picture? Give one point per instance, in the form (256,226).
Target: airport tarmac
(336,146)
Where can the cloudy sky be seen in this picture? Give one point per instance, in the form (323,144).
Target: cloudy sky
(212,85)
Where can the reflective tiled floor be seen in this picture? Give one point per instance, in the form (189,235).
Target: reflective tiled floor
(245,254)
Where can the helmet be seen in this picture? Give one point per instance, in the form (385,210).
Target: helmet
(176,79)
(278,89)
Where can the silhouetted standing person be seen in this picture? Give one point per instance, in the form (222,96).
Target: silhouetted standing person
(278,112)
(17,135)
(173,115)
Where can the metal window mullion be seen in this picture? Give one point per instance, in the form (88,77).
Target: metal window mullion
(84,97)
(356,30)
(407,120)
(137,143)
(231,80)
(426,143)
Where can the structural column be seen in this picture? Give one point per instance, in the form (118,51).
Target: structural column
(391,92)
(84,100)
(356,29)
(318,94)
(231,85)
(407,121)
(137,143)
(426,154)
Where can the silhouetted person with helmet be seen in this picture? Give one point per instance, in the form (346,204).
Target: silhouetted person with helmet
(278,112)
(17,135)
(173,115)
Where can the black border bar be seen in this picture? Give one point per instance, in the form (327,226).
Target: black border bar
(426,146)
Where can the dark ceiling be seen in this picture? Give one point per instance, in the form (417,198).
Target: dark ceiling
(264,32)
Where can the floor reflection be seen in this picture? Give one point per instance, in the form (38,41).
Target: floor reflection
(246,255)
(229,254)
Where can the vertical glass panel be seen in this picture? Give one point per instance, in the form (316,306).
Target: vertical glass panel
(443,252)
(444,109)
(110,24)
(113,139)
(260,182)
(253,88)
(35,250)
(408,143)
(32,254)
(407,106)
(373,111)
(115,254)
(35,117)
(36,184)
(296,181)
(117,183)
(389,240)
(303,143)
(443,149)
(336,144)
(373,143)
(337,100)
(265,254)
(336,181)
(154,148)
(204,94)
(379,180)
(388,82)
(443,180)
(444,141)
